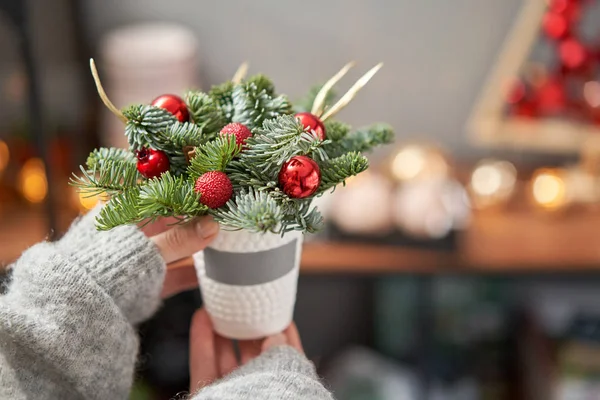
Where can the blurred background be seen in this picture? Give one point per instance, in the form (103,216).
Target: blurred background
(463,265)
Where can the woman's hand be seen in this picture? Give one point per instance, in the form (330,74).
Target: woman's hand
(179,242)
(213,356)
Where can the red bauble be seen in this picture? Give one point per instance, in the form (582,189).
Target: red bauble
(299,177)
(215,189)
(152,163)
(173,104)
(573,53)
(569,8)
(551,97)
(312,122)
(240,131)
(555,25)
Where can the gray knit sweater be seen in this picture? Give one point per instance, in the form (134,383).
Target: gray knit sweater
(67,324)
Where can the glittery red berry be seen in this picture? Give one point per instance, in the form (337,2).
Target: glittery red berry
(152,163)
(312,123)
(215,189)
(240,131)
(173,104)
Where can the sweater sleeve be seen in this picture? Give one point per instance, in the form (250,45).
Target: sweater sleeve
(66,320)
(281,373)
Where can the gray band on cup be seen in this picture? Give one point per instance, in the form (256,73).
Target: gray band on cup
(246,269)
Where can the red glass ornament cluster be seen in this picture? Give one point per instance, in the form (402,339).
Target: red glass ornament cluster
(560,93)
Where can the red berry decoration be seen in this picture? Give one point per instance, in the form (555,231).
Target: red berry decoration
(152,163)
(173,104)
(313,123)
(572,53)
(215,189)
(299,177)
(555,25)
(240,131)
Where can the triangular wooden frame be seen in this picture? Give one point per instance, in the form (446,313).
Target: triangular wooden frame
(488,125)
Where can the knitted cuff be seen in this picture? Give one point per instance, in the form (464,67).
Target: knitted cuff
(123,261)
(280,359)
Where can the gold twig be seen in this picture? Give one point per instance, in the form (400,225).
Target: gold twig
(103,95)
(319,103)
(351,93)
(240,73)
(189,152)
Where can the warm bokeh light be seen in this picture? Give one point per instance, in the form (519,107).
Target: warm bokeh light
(548,189)
(492,182)
(4,155)
(32,181)
(87,202)
(416,161)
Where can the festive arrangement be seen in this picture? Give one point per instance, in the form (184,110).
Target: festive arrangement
(246,156)
(238,152)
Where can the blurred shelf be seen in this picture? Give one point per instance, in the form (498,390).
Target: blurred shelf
(512,242)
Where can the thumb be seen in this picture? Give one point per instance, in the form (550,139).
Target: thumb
(184,240)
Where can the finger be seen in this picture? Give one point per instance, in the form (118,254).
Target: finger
(225,354)
(180,277)
(184,240)
(293,337)
(203,366)
(249,349)
(155,227)
(273,341)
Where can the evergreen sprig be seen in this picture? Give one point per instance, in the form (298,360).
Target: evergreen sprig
(252,210)
(213,156)
(223,96)
(121,209)
(169,196)
(108,176)
(144,122)
(336,170)
(206,112)
(362,140)
(253,103)
(98,156)
(175,139)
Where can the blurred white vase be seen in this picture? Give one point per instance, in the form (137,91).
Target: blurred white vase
(139,63)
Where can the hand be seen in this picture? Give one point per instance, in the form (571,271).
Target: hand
(213,356)
(179,242)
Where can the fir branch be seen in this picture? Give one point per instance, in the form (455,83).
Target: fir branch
(276,142)
(98,156)
(213,156)
(336,130)
(109,176)
(337,170)
(121,209)
(305,219)
(262,83)
(144,122)
(175,139)
(223,96)
(252,104)
(305,103)
(362,140)
(169,196)
(206,112)
(252,210)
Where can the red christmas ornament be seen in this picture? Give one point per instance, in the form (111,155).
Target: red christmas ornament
(551,97)
(569,8)
(572,53)
(215,189)
(555,25)
(516,92)
(240,131)
(152,163)
(173,104)
(312,122)
(525,108)
(299,177)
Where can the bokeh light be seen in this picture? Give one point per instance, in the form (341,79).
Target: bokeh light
(32,181)
(416,162)
(492,182)
(4,155)
(548,189)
